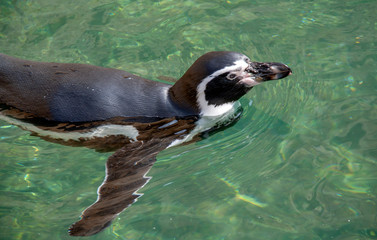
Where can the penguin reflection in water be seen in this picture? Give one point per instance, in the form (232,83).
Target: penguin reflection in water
(113,110)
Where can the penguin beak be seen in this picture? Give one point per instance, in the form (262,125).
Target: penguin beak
(268,71)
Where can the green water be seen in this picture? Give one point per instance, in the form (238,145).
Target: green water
(300,164)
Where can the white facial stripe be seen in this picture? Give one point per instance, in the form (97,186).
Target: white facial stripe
(211,110)
(101,131)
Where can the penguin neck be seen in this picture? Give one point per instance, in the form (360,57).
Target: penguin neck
(184,95)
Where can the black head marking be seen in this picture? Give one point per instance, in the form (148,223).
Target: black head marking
(233,77)
(221,89)
(185,91)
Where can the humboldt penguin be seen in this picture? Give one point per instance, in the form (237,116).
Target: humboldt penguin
(113,110)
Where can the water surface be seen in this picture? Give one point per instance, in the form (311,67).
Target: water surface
(300,164)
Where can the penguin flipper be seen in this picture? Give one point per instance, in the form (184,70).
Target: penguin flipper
(126,173)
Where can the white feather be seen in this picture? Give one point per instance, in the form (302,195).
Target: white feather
(101,131)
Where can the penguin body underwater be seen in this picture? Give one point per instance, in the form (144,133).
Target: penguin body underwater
(113,110)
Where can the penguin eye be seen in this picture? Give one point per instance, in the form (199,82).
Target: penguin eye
(231,76)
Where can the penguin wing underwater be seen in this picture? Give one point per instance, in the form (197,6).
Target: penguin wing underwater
(113,110)
(126,173)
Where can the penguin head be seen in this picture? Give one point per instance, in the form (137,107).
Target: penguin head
(217,79)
